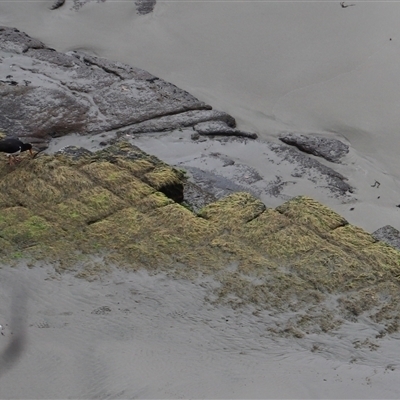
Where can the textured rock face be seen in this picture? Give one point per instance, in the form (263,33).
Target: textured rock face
(221,128)
(47,94)
(177,121)
(330,149)
(389,235)
(145,6)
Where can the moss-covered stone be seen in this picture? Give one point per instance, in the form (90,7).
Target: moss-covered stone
(301,256)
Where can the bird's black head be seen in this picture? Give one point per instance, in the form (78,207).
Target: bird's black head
(26,146)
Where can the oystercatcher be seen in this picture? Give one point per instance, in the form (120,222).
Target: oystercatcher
(13,147)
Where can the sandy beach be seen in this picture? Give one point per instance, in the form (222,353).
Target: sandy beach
(133,335)
(277,67)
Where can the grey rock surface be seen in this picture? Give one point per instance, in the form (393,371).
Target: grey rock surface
(221,128)
(196,197)
(47,94)
(213,185)
(178,121)
(145,6)
(330,149)
(389,235)
(75,152)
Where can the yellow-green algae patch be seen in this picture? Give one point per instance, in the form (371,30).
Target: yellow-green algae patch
(312,214)
(301,256)
(234,210)
(161,176)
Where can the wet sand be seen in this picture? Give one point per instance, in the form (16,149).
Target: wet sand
(133,335)
(276,67)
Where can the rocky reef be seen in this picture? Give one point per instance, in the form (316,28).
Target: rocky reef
(46,94)
(84,211)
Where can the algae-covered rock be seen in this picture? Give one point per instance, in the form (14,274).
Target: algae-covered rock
(122,204)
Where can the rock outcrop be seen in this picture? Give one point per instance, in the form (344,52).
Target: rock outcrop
(389,235)
(220,128)
(300,259)
(179,121)
(48,94)
(128,208)
(144,7)
(330,149)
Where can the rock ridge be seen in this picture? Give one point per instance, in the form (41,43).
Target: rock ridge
(48,94)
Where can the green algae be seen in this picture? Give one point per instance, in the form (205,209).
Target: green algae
(301,254)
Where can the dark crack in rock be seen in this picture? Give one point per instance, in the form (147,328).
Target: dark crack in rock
(330,149)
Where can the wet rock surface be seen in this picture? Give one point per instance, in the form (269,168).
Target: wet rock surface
(330,149)
(48,94)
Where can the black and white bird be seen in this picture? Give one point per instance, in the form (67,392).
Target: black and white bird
(13,147)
